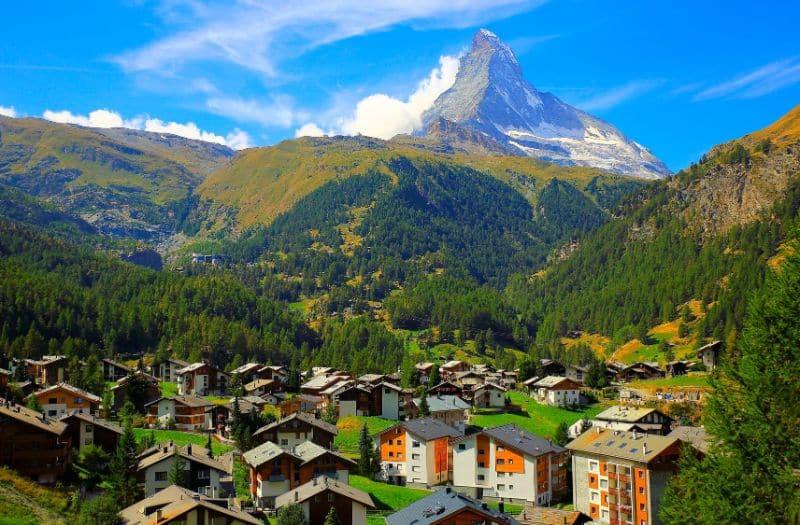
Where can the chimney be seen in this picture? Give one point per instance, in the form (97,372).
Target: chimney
(295,495)
(159,515)
(644,448)
(189,449)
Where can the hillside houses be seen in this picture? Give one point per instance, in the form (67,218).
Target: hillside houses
(274,470)
(450,410)
(187,412)
(318,496)
(201,379)
(642,420)
(557,391)
(448,506)
(295,429)
(86,429)
(47,371)
(371,399)
(114,371)
(178,505)
(204,474)
(168,370)
(62,398)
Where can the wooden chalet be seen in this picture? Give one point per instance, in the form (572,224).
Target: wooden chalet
(63,398)
(49,370)
(188,412)
(150,390)
(709,354)
(114,371)
(202,379)
(319,495)
(168,370)
(85,429)
(33,444)
(296,429)
(304,403)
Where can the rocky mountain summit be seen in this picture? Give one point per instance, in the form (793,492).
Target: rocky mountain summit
(491,96)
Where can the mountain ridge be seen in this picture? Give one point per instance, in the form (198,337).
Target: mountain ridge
(491,96)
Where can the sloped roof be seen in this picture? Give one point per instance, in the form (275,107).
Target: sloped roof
(96,421)
(517,438)
(551,381)
(625,414)
(632,446)
(309,451)
(116,364)
(311,420)
(491,385)
(245,368)
(197,454)
(426,428)
(173,502)
(31,417)
(258,383)
(442,503)
(188,400)
(695,436)
(444,403)
(263,453)
(69,388)
(318,486)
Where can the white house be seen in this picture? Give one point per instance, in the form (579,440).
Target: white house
(203,472)
(557,391)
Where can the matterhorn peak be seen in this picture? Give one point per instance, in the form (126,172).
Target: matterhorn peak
(491,96)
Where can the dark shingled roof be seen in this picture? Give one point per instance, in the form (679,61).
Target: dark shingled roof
(522,440)
(311,420)
(439,505)
(426,428)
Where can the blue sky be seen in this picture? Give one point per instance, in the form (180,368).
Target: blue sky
(676,76)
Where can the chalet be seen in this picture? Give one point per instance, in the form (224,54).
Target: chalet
(259,387)
(678,368)
(446,388)
(355,400)
(393,378)
(49,370)
(86,429)
(644,420)
(322,371)
(424,371)
(168,370)
(489,395)
(188,412)
(277,373)
(304,403)
(33,444)
(320,383)
(509,379)
(557,391)
(553,368)
(529,385)
(295,429)
(510,463)
(576,373)
(331,394)
(619,477)
(113,371)
(386,400)
(247,372)
(275,470)
(416,452)
(709,354)
(202,379)
(204,473)
(138,387)
(448,506)
(451,367)
(176,505)
(468,379)
(61,399)
(319,495)
(640,370)
(450,410)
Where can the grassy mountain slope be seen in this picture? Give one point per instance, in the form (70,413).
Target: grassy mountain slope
(708,233)
(126,183)
(262,183)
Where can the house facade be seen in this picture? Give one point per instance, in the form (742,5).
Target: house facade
(319,495)
(644,420)
(510,463)
(85,429)
(203,473)
(168,370)
(557,391)
(62,398)
(202,379)
(296,429)
(188,412)
(416,452)
(619,477)
(489,395)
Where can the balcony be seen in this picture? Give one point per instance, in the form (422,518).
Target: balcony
(276,478)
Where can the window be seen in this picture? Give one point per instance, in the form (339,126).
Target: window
(641,474)
(593,466)
(52,401)
(284,442)
(595,496)
(501,487)
(481,477)
(297,435)
(399,455)
(161,476)
(52,413)
(501,474)
(501,461)
(330,497)
(511,461)
(501,449)
(511,487)
(88,427)
(641,507)
(391,454)
(415,444)
(481,464)
(78,400)
(399,441)
(414,456)
(204,474)
(604,514)
(641,490)
(415,468)
(603,483)
(462,446)
(391,441)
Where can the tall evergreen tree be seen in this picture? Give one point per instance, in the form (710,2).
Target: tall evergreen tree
(424,409)
(123,469)
(434,378)
(364,450)
(177,474)
(751,471)
(332,518)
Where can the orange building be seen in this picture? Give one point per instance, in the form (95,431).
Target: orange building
(618,477)
(275,470)
(62,399)
(417,452)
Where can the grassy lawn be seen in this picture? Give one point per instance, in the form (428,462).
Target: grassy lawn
(700,380)
(181,438)
(24,502)
(385,496)
(350,429)
(168,389)
(541,420)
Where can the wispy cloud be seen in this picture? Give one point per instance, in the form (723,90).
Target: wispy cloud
(256,34)
(756,83)
(8,111)
(106,118)
(278,111)
(382,116)
(523,45)
(618,95)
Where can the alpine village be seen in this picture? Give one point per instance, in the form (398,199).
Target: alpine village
(513,315)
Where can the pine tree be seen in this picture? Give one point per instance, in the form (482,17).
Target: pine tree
(562,434)
(177,474)
(434,378)
(332,518)
(364,450)
(331,414)
(750,472)
(424,409)
(123,469)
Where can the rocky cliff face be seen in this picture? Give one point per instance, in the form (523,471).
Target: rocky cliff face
(491,96)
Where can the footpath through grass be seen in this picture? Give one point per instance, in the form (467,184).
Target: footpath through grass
(181,438)
(536,418)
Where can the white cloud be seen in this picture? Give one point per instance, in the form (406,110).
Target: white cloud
(382,116)
(761,81)
(256,34)
(309,130)
(8,111)
(105,118)
(280,111)
(616,96)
